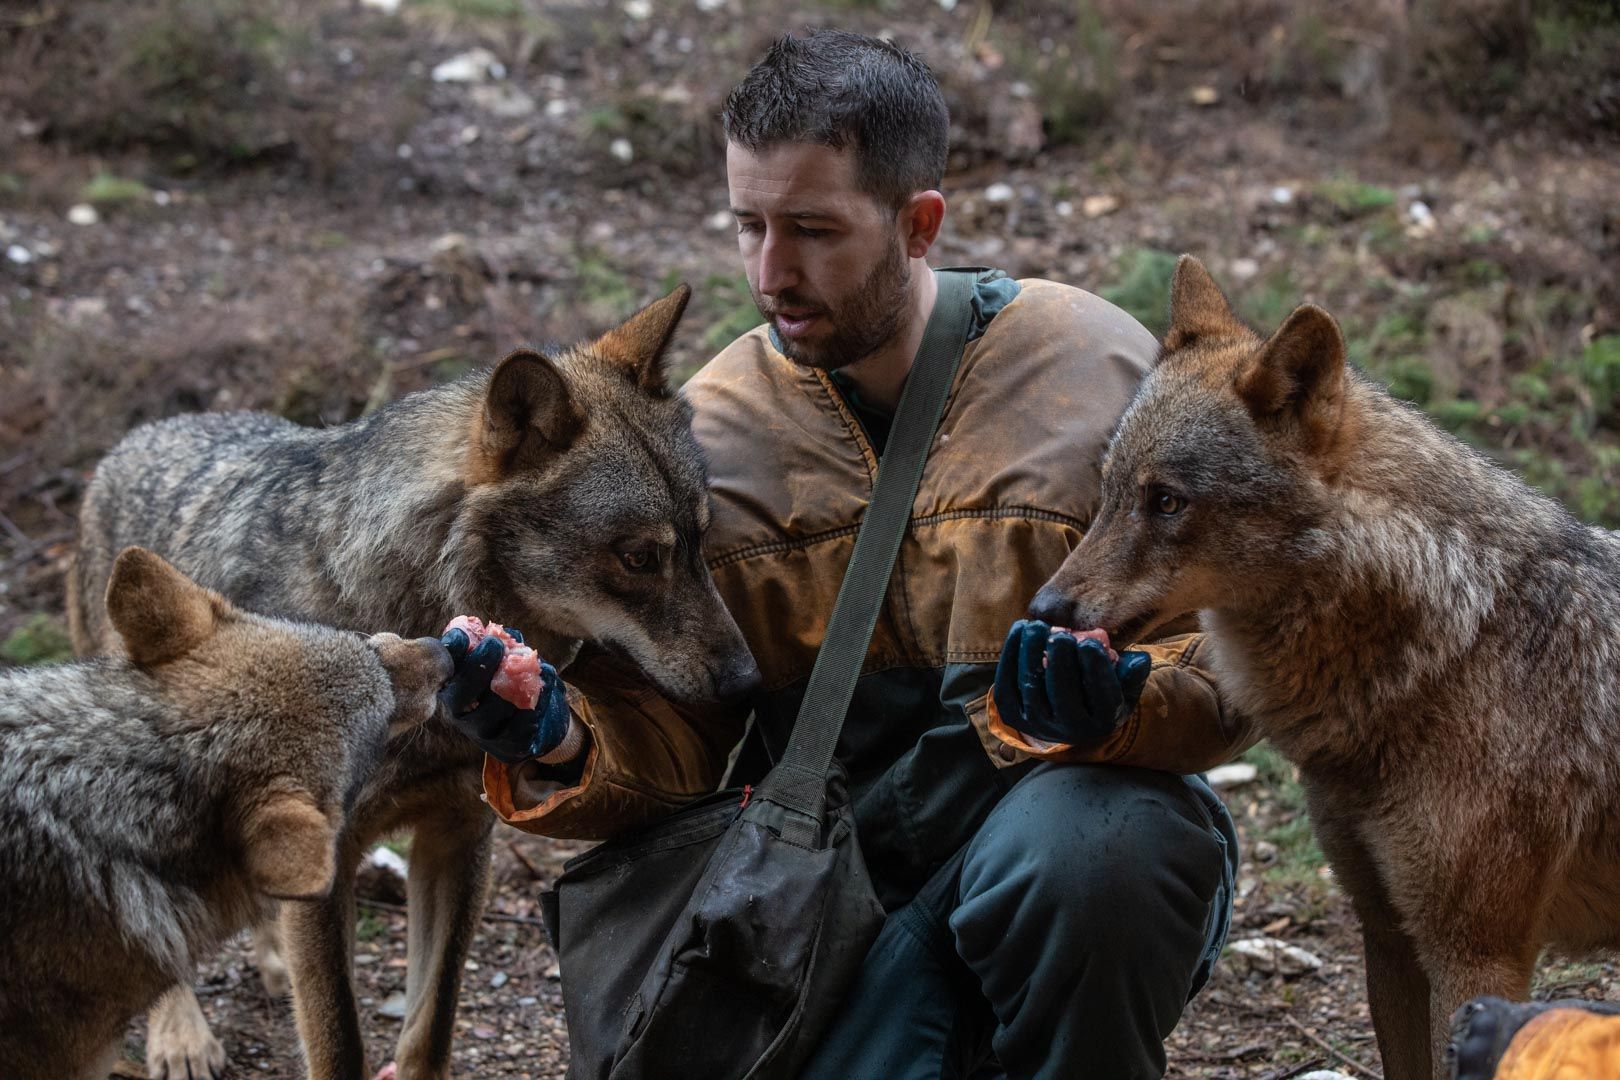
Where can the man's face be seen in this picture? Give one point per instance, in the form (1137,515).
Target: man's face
(824,260)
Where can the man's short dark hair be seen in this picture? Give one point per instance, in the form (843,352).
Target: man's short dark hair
(840,89)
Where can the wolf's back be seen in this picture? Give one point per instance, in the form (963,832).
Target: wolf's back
(162,483)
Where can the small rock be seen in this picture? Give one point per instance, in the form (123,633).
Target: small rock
(525,1002)
(1282,196)
(394,1006)
(1244,269)
(161,197)
(1324,1074)
(720,220)
(468,135)
(1419,211)
(710,5)
(1268,956)
(387,7)
(83,214)
(498,980)
(622,150)
(1237,773)
(504,100)
(1064,208)
(1096,206)
(998,193)
(484,1033)
(472,965)
(19,255)
(1204,96)
(557,108)
(1264,851)
(404,152)
(554,971)
(640,10)
(474,65)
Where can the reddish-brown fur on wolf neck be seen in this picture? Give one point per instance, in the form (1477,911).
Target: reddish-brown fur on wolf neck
(1435,644)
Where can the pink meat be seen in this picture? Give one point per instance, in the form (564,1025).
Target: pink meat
(1098,635)
(518,679)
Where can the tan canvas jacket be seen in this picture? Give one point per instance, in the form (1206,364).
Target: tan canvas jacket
(1010,485)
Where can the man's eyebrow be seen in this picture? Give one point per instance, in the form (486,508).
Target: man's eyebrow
(795,215)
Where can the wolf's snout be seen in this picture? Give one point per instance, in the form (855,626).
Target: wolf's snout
(1053,607)
(737,680)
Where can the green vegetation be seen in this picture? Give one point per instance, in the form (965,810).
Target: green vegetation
(1352,198)
(1142,287)
(1075,78)
(1299,859)
(39,640)
(105,189)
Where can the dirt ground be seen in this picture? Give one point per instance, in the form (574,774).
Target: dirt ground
(377,227)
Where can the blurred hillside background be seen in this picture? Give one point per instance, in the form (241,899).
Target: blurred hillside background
(313,206)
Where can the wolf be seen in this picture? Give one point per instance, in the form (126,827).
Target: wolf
(562,494)
(149,807)
(1435,645)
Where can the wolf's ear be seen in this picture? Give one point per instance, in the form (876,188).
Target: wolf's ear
(289,846)
(528,414)
(1297,377)
(1198,308)
(638,344)
(159,612)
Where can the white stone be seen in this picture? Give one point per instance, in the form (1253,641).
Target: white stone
(1244,269)
(1230,776)
(161,197)
(1096,206)
(1064,208)
(1204,95)
(504,100)
(1324,1074)
(710,5)
(998,193)
(19,255)
(387,7)
(638,9)
(622,150)
(1282,196)
(394,1007)
(556,108)
(721,220)
(1268,956)
(83,214)
(474,65)
(1419,212)
(468,135)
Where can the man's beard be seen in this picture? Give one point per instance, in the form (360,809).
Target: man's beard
(868,321)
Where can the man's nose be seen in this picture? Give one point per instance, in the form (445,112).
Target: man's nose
(778,266)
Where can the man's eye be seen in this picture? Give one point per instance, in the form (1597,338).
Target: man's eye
(808,232)
(744,227)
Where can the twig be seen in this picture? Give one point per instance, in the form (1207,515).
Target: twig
(528,863)
(1325,1045)
(495,916)
(23,541)
(1285,1074)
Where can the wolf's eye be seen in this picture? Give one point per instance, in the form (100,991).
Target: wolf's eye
(639,560)
(1167,503)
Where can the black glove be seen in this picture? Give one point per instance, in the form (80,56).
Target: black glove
(504,731)
(1064,689)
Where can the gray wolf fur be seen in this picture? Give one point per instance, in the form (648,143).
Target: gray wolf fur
(148,808)
(563,495)
(1434,644)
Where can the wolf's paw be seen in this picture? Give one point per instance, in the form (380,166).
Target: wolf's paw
(179,1045)
(272,968)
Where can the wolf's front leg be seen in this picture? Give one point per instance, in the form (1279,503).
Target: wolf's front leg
(178,1043)
(1461,980)
(318,936)
(447,885)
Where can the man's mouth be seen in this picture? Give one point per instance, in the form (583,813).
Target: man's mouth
(795,324)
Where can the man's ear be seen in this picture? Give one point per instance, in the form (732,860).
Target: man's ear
(1198,308)
(921,218)
(527,416)
(638,344)
(159,612)
(289,846)
(1297,377)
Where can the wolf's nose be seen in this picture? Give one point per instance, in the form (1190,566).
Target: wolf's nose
(1052,607)
(738,680)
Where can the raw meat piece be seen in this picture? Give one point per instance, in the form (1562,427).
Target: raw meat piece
(518,679)
(1099,635)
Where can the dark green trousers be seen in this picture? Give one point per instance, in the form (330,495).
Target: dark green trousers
(1063,941)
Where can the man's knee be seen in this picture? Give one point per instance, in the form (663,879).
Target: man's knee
(1099,856)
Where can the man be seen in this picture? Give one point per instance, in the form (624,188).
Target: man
(1050,918)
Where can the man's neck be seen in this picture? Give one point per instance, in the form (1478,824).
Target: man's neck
(881,376)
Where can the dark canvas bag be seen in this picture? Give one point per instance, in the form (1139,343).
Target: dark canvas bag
(717,942)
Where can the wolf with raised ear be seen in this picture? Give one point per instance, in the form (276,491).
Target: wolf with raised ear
(562,494)
(1434,644)
(150,808)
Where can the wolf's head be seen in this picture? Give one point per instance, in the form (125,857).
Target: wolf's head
(292,718)
(587,505)
(1218,474)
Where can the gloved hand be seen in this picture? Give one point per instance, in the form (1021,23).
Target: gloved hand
(504,731)
(1064,689)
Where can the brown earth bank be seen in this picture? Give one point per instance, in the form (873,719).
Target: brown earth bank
(314,207)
